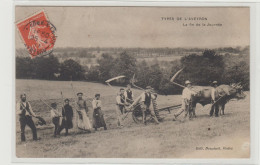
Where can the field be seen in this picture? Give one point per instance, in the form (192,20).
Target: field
(226,137)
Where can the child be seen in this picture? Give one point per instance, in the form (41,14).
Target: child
(67,114)
(55,115)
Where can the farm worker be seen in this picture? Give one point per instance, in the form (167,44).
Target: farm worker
(215,105)
(83,122)
(25,112)
(129,94)
(146,104)
(146,101)
(187,94)
(67,116)
(55,116)
(120,107)
(98,118)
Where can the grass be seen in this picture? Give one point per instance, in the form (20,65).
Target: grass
(169,139)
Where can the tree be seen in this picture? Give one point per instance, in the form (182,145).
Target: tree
(142,74)
(71,70)
(203,69)
(106,63)
(45,67)
(125,65)
(24,68)
(93,74)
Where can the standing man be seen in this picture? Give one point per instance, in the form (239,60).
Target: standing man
(187,94)
(55,115)
(120,106)
(129,96)
(146,103)
(25,112)
(67,116)
(83,122)
(215,106)
(98,117)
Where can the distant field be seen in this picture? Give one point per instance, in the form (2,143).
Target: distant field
(169,139)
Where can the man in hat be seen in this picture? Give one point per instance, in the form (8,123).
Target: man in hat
(98,117)
(215,106)
(129,96)
(25,112)
(187,94)
(146,104)
(83,122)
(67,116)
(55,116)
(120,106)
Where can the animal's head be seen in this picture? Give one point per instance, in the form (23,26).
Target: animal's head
(237,91)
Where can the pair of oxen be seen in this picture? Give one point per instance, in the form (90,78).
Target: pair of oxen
(224,93)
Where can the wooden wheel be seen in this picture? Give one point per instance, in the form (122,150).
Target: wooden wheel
(137,115)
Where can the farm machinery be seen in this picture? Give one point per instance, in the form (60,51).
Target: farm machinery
(137,114)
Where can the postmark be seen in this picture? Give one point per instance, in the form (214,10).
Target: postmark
(38,34)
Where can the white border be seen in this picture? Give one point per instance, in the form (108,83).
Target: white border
(254,77)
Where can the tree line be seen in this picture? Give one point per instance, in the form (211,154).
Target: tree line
(201,69)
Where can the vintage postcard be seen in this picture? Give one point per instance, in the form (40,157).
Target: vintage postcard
(132,82)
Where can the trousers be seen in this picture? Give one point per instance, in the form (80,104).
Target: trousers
(151,110)
(27,120)
(215,108)
(120,111)
(184,108)
(56,122)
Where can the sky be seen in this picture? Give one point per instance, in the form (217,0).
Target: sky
(143,26)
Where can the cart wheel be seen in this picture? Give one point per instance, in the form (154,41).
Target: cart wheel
(137,115)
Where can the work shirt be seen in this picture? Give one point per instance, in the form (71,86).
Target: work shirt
(213,93)
(96,104)
(22,105)
(120,99)
(187,93)
(55,113)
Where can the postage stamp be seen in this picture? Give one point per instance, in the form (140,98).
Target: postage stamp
(38,34)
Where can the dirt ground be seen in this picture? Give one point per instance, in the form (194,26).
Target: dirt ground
(227,136)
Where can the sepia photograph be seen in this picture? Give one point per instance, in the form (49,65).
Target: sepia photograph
(132,82)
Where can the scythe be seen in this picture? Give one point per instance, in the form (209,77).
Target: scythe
(133,83)
(174,76)
(114,78)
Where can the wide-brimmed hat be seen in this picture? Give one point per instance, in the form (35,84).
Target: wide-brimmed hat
(79,93)
(187,82)
(214,82)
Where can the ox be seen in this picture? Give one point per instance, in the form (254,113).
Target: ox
(223,94)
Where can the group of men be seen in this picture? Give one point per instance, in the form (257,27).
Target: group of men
(124,102)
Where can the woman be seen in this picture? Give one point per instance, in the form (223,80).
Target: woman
(98,118)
